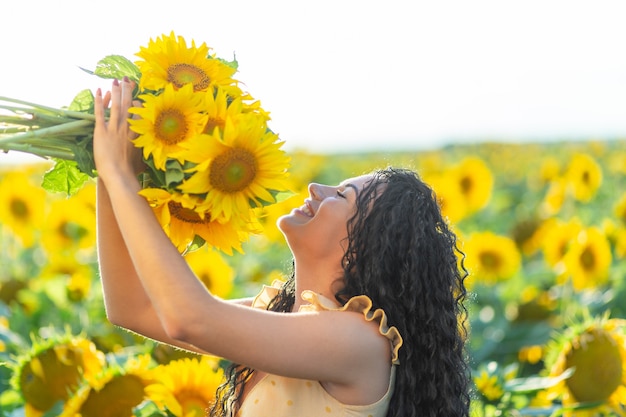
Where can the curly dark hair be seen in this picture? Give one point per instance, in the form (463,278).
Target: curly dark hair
(402,254)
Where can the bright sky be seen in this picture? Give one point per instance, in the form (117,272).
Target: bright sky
(346,75)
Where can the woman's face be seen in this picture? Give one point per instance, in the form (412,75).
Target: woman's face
(319,226)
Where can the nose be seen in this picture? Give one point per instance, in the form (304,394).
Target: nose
(318,191)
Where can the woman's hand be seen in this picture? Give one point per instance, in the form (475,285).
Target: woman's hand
(113,149)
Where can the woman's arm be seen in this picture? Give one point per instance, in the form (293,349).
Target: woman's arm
(127,304)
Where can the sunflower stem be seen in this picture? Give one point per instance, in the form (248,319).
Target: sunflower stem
(66,113)
(71,129)
(42,152)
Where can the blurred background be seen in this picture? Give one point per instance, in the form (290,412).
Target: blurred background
(513,112)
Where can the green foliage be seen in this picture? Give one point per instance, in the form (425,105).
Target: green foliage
(64,177)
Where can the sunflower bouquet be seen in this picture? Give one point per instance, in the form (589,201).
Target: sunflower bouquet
(211,158)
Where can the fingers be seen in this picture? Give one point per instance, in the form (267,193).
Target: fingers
(99,107)
(127,96)
(116,93)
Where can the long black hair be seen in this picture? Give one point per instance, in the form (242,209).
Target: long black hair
(403,255)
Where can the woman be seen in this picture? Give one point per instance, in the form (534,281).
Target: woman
(374,300)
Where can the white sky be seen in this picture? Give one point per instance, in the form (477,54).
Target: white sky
(342,75)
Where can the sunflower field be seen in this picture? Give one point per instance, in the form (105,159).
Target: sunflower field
(543,227)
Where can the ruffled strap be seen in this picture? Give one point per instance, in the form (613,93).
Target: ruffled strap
(267,293)
(359,304)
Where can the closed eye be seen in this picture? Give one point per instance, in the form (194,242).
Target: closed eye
(340,194)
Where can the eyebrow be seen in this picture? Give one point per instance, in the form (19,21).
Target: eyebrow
(356,190)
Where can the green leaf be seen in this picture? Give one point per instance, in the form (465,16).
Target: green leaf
(532,384)
(83,101)
(64,177)
(233,64)
(83,154)
(174,173)
(116,66)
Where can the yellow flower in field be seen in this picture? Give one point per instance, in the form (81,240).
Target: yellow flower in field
(620,209)
(557,238)
(597,353)
(168,61)
(530,354)
(449,196)
(183,217)
(70,224)
(550,169)
(489,386)
(588,259)
(584,176)
(167,121)
(535,304)
(211,268)
(21,206)
(54,369)
(476,182)
(239,170)
(186,386)
(113,393)
(490,257)
(555,197)
(78,275)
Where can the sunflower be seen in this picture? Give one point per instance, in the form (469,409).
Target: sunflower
(475,181)
(596,350)
(166,121)
(239,171)
(211,268)
(584,176)
(588,259)
(168,61)
(78,275)
(21,206)
(557,237)
(555,197)
(53,369)
(112,393)
(70,224)
(549,170)
(184,217)
(186,387)
(449,196)
(490,257)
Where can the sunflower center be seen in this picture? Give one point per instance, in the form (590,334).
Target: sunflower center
(233,170)
(47,378)
(490,260)
(71,231)
(598,368)
(19,209)
(184,214)
(466,185)
(586,177)
(170,127)
(181,74)
(192,402)
(118,398)
(587,259)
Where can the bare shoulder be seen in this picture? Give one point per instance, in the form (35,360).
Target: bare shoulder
(368,376)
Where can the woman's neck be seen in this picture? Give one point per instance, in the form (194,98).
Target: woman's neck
(316,277)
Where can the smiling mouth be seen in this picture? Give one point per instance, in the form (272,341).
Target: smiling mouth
(306,210)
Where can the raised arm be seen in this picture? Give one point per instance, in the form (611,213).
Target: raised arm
(325,346)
